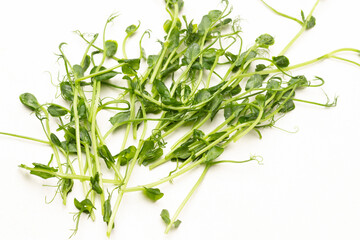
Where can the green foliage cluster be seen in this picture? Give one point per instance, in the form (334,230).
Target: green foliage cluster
(182,88)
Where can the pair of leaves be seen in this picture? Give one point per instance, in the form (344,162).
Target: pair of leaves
(165,216)
(38,166)
(126,155)
(95,185)
(85,206)
(149,153)
(105,154)
(130,66)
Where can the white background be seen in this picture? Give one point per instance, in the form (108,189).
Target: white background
(308,187)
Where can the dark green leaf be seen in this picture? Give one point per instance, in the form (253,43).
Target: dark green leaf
(192,52)
(44,175)
(216,136)
(78,71)
(111,47)
(255,81)
(55,140)
(105,154)
(174,39)
(120,118)
(245,57)
(149,153)
(57,110)
(214,105)
(281,61)
(311,23)
(265,40)
(29,101)
(66,91)
(151,60)
(85,206)
(86,63)
(300,80)
(95,183)
(126,155)
(81,108)
(162,89)
(214,153)
(201,96)
(204,25)
(153,194)
(66,187)
(104,76)
(288,106)
(107,211)
(84,136)
(181,153)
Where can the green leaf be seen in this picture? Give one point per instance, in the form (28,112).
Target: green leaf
(245,57)
(85,206)
(311,23)
(29,101)
(165,216)
(105,154)
(214,105)
(85,136)
(81,108)
(288,106)
(86,63)
(95,183)
(192,52)
(300,80)
(204,25)
(273,83)
(255,81)
(174,39)
(265,40)
(55,140)
(214,153)
(111,47)
(151,60)
(66,91)
(131,29)
(162,89)
(78,71)
(177,223)
(57,110)
(181,153)
(149,153)
(107,210)
(214,15)
(201,96)
(120,118)
(66,187)
(281,61)
(104,76)
(153,194)
(216,136)
(126,155)
(44,175)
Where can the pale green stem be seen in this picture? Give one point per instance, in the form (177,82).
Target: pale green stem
(182,205)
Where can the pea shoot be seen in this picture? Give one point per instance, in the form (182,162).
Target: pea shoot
(182,88)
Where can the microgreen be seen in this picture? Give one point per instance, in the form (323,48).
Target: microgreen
(182,87)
